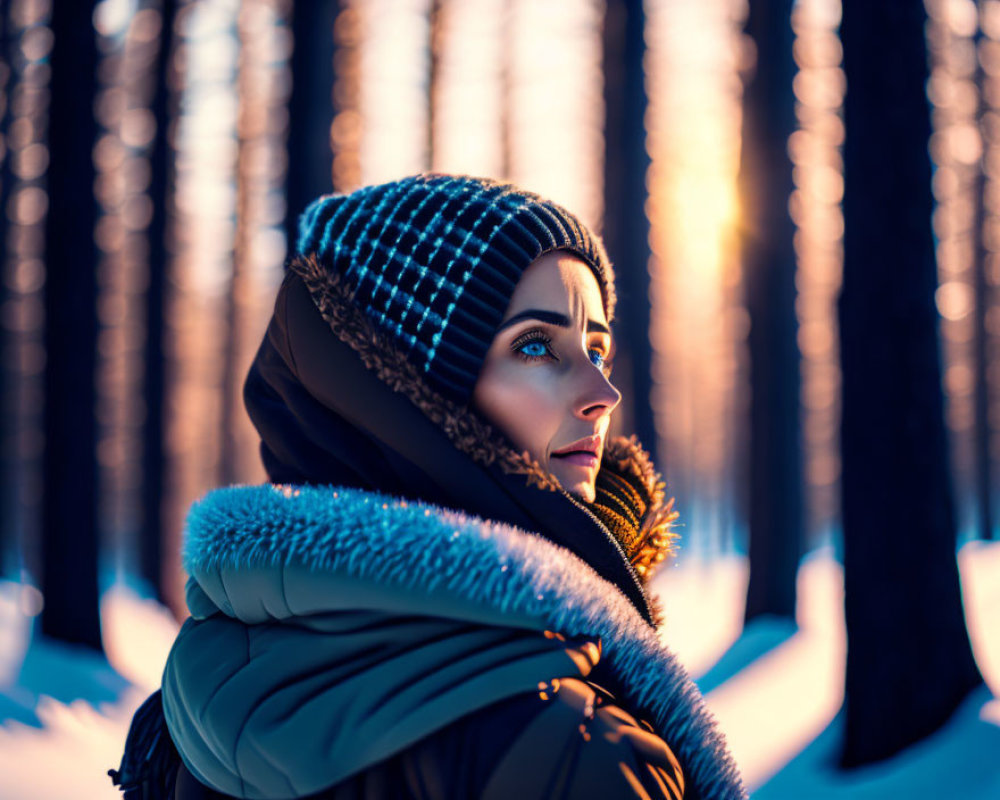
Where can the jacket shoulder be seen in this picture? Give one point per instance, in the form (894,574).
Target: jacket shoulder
(567,740)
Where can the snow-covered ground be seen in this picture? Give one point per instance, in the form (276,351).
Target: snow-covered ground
(775,688)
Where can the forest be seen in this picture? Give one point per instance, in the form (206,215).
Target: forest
(802,201)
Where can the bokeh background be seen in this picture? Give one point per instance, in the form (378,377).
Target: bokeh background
(156,153)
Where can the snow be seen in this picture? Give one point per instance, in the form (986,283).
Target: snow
(64,711)
(776,688)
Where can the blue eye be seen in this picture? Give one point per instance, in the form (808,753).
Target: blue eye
(597,358)
(532,346)
(534,349)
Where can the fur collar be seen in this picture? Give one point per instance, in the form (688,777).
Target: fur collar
(654,539)
(438,556)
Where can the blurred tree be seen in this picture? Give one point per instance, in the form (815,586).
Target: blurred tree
(436,28)
(248,116)
(261,129)
(982,301)
(774,471)
(154,377)
(626,226)
(506,23)
(310,108)
(8,369)
(909,662)
(69,482)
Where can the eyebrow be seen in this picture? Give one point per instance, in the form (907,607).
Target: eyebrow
(552,318)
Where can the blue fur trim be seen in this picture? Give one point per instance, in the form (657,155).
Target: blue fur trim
(426,548)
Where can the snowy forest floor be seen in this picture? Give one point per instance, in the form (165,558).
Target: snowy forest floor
(776,688)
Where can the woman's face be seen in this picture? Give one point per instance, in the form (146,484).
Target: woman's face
(545,379)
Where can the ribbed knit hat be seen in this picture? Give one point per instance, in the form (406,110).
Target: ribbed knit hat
(433,260)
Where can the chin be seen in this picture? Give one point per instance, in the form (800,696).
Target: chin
(583,491)
(575,481)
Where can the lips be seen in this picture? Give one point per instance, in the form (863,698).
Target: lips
(582,452)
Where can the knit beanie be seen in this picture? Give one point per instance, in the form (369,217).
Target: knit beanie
(433,260)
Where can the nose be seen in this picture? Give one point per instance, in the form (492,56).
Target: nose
(598,397)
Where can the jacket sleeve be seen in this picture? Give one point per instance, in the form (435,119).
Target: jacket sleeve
(582,744)
(567,740)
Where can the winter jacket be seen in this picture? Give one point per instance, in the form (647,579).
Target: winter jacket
(409,608)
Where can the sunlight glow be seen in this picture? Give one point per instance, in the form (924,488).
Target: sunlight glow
(468,120)
(697,319)
(393,89)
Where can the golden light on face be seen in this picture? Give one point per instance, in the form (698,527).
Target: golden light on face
(545,381)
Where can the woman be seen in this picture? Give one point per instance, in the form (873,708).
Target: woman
(441,592)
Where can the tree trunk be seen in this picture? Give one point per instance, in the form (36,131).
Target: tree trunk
(154,377)
(775,501)
(310,109)
(69,508)
(626,226)
(8,368)
(909,662)
(982,301)
(433,76)
(506,23)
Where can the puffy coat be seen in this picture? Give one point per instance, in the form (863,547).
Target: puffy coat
(332,629)
(409,608)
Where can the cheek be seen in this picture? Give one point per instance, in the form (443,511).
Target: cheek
(520,402)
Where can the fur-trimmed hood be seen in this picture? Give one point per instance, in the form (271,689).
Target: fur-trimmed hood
(303,559)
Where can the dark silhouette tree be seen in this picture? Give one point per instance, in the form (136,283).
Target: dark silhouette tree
(310,108)
(69,464)
(909,661)
(774,469)
(982,292)
(626,226)
(154,375)
(8,370)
